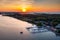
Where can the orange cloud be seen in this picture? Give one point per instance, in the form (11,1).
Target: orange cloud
(31,8)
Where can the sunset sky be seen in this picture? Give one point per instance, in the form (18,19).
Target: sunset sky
(30,5)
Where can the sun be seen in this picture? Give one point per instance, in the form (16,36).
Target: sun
(24,10)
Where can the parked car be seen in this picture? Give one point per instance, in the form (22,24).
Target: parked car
(58,29)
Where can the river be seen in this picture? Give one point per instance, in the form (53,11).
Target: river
(10,29)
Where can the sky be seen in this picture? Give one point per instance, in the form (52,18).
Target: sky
(30,5)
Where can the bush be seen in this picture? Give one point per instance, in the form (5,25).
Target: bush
(39,24)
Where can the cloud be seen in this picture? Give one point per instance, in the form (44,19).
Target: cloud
(29,2)
(46,2)
(16,2)
(9,1)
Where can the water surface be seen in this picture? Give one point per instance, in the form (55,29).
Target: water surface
(10,29)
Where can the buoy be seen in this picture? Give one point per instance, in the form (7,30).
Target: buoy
(21,32)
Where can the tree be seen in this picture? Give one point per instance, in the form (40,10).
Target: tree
(39,24)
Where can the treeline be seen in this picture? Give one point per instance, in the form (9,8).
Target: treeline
(52,19)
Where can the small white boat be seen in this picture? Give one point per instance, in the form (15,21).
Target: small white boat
(37,30)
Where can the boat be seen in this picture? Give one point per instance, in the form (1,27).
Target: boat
(37,30)
(57,32)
